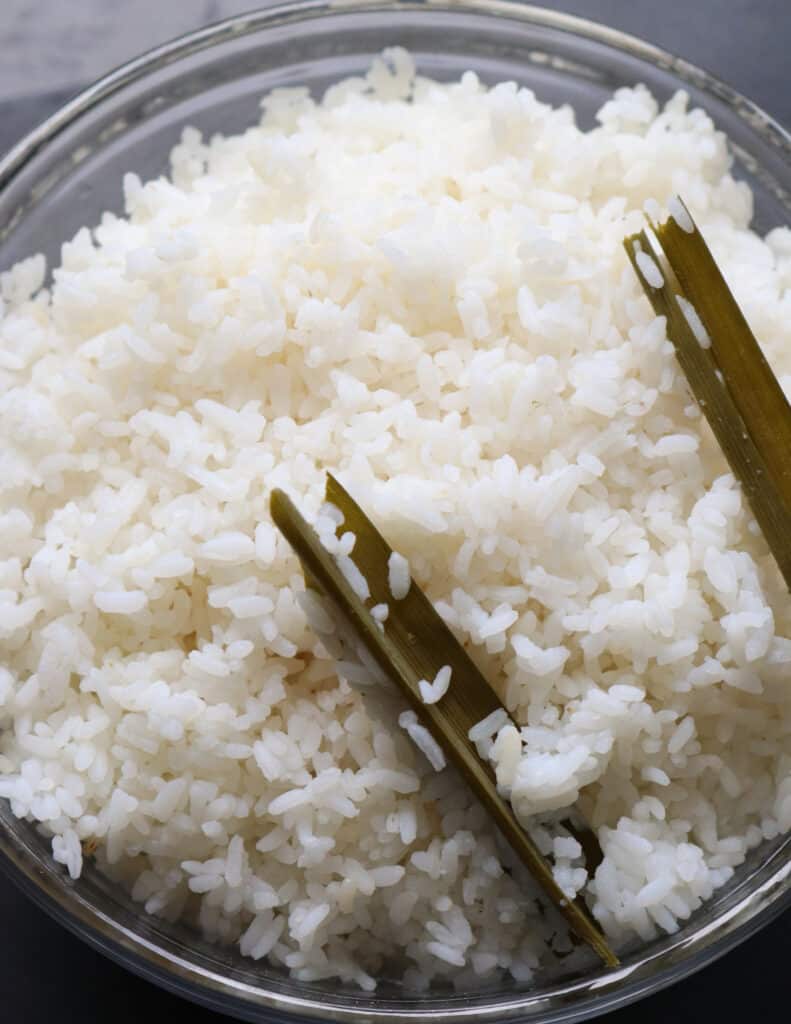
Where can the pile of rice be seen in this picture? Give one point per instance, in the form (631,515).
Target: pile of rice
(421,287)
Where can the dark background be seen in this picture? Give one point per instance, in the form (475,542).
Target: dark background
(46,974)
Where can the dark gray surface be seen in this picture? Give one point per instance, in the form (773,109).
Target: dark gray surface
(47,975)
(744,42)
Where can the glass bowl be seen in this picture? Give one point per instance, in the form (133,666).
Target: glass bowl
(69,169)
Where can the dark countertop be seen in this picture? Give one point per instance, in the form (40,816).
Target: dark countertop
(46,974)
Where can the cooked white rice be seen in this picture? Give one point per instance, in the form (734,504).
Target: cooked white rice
(680,215)
(398,577)
(696,325)
(434,691)
(423,740)
(648,268)
(422,287)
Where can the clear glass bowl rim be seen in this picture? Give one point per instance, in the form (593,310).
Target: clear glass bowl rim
(224,994)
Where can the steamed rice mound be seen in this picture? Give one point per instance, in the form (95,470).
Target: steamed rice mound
(421,287)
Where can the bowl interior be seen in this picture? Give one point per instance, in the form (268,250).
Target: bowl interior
(70,172)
